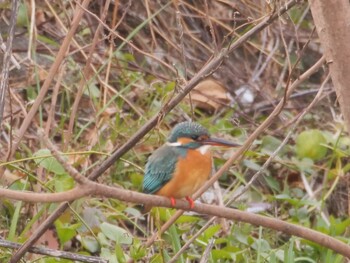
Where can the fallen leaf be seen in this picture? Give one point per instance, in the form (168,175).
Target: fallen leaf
(210,95)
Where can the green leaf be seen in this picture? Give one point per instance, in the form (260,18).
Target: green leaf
(309,145)
(175,239)
(269,144)
(262,245)
(92,90)
(116,233)
(166,256)
(90,244)
(14,222)
(252,165)
(219,254)
(119,253)
(301,214)
(338,227)
(273,183)
(305,165)
(289,252)
(129,57)
(209,233)
(279,254)
(65,232)
(137,250)
(19,185)
(241,234)
(162,213)
(107,254)
(92,217)
(157,258)
(133,212)
(187,219)
(31,92)
(48,41)
(136,179)
(63,182)
(22,16)
(296,202)
(272,257)
(102,239)
(48,162)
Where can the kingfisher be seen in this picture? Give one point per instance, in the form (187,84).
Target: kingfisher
(183,164)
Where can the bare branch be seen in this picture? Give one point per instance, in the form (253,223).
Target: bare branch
(54,253)
(229,213)
(31,197)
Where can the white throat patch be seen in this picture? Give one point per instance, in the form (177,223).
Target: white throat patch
(203,149)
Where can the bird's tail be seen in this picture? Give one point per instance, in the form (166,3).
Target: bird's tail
(143,208)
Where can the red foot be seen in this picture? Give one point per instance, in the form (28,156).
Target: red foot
(172,201)
(189,199)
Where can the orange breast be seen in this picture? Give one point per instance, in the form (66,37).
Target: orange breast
(190,174)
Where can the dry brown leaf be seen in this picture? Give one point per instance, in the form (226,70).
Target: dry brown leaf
(9,177)
(92,136)
(295,181)
(39,74)
(210,95)
(110,112)
(49,240)
(40,17)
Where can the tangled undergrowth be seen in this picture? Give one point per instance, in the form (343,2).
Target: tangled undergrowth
(125,63)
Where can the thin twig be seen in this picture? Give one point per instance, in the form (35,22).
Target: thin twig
(127,39)
(192,239)
(87,73)
(32,29)
(4,81)
(206,255)
(70,169)
(54,253)
(13,59)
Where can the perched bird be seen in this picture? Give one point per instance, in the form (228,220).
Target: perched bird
(183,164)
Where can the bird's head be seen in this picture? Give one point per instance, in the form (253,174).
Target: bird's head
(192,135)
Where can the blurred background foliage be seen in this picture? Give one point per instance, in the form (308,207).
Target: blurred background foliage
(140,62)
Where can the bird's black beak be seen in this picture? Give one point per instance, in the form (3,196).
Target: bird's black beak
(219,142)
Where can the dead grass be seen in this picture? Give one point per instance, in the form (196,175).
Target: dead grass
(125,61)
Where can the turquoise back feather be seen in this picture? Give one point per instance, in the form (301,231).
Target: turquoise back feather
(160,167)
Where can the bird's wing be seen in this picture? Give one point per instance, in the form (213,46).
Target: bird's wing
(159,168)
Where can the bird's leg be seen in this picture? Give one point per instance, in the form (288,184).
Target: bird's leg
(172,201)
(190,200)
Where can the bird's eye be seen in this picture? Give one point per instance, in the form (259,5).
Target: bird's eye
(194,137)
